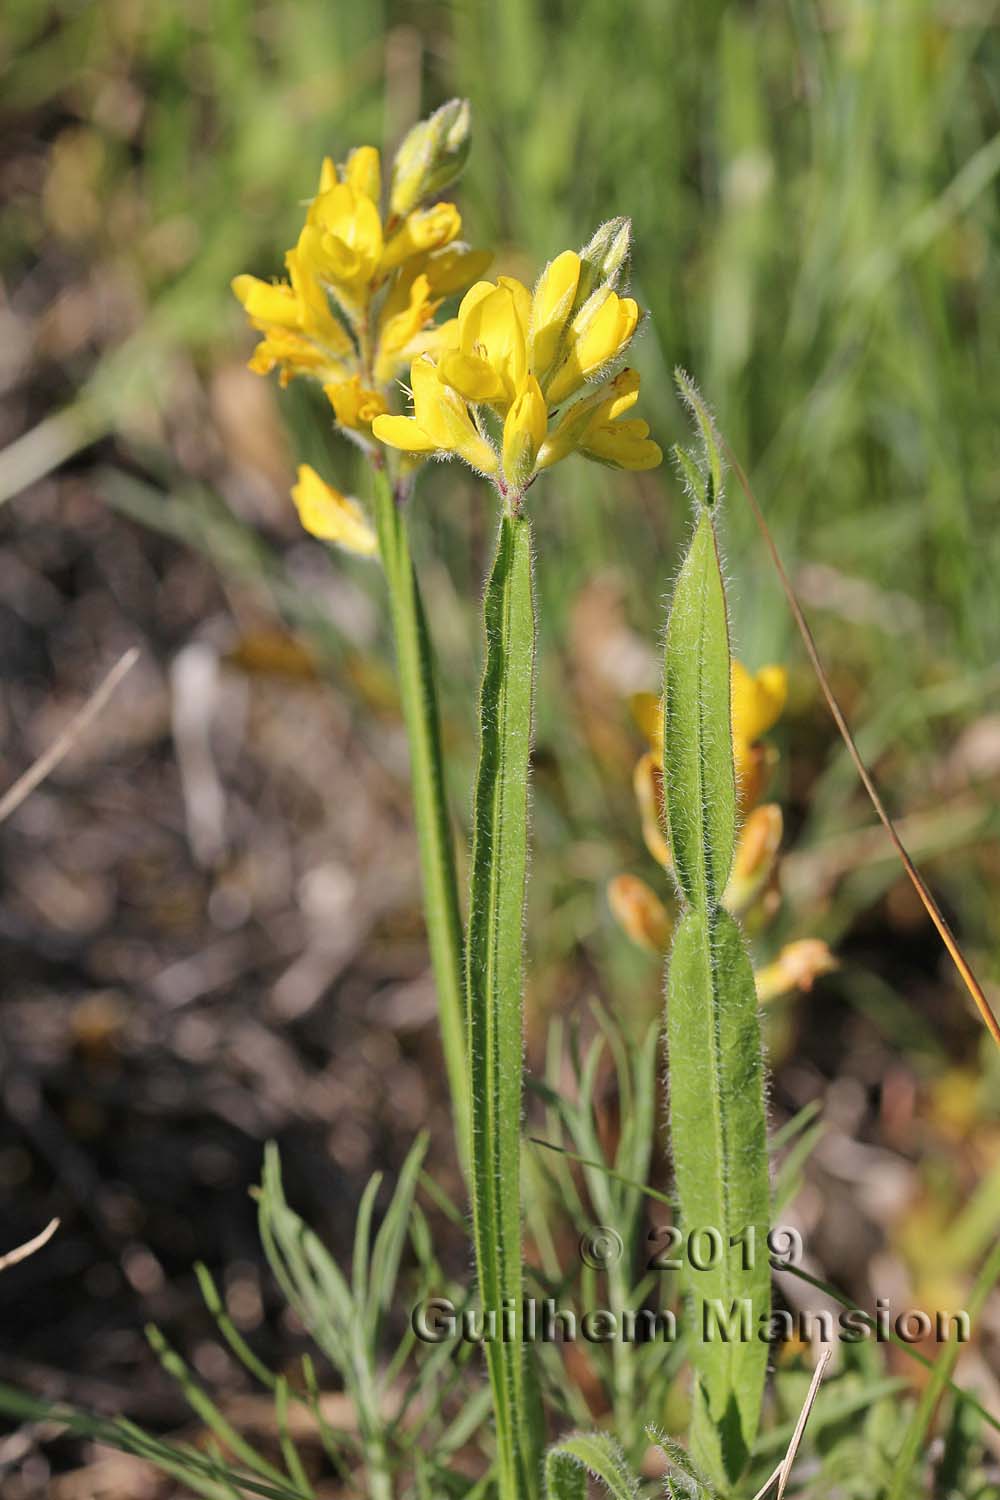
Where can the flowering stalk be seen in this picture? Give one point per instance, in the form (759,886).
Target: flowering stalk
(418,694)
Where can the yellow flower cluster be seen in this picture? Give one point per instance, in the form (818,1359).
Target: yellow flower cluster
(364,285)
(757,703)
(490,392)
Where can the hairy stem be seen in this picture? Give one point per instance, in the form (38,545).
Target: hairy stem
(415,666)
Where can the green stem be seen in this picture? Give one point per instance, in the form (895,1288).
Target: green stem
(495,989)
(415,666)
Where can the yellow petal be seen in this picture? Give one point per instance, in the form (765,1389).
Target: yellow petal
(400,324)
(404,433)
(647,781)
(347,247)
(756,853)
(523,434)
(493,326)
(601,406)
(353,405)
(599,333)
(551,306)
(444,416)
(471,376)
(758,700)
(267,302)
(331,516)
(424,229)
(327,175)
(451,269)
(316,317)
(625,445)
(797,967)
(647,711)
(363,172)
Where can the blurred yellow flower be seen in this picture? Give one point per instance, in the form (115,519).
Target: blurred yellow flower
(332,517)
(757,701)
(797,967)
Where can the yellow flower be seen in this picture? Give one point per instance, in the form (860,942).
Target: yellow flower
(599,333)
(362,290)
(516,354)
(523,433)
(353,405)
(362,172)
(440,423)
(640,912)
(331,516)
(593,426)
(757,701)
(491,361)
(756,854)
(342,240)
(551,306)
(797,967)
(407,311)
(424,229)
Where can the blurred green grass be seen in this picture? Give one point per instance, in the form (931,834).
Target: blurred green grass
(814,190)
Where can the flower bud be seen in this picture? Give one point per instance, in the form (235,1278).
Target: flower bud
(604,259)
(523,434)
(430,157)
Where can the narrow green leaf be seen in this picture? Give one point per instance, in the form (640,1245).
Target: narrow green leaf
(699,780)
(418,693)
(717,1115)
(711,448)
(718,1131)
(494,976)
(568,1463)
(198,1471)
(204,1407)
(228,1329)
(915,1436)
(391,1237)
(289,1452)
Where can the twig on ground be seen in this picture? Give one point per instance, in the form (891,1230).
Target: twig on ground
(60,747)
(29,1247)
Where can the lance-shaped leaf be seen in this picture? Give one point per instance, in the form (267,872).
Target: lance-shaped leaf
(699,780)
(717,1113)
(567,1465)
(495,973)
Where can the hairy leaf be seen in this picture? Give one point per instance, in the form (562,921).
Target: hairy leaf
(495,973)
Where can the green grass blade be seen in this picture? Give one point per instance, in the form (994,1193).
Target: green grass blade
(200,1472)
(391,1237)
(289,1452)
(568,1463)
(226,1326)
(204,1407)
(495,971)
(415,665)
(698,772)
(915,1436)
